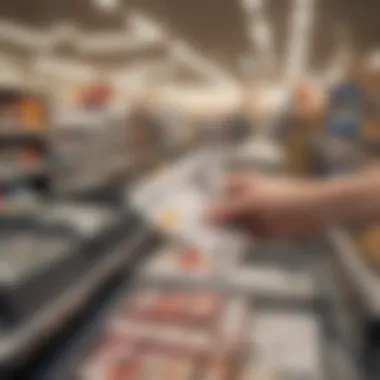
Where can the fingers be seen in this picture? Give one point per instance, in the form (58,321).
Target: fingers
(226,211)
(236,183)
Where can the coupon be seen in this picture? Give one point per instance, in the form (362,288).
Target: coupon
(174,201)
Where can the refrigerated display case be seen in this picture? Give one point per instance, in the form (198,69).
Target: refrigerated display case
(176,316)
(24,150)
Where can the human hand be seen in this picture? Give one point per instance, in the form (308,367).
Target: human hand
(266,207)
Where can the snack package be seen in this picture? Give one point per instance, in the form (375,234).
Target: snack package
(172,262)
(168,339)
(186,308)
(229,347)
(117,368)
(166,367)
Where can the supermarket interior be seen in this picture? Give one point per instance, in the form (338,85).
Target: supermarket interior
(120,120)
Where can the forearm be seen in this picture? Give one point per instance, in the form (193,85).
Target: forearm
(351,199)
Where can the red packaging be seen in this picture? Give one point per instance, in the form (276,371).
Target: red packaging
(190,260)
(110,346)
(167,339)
(121,369)
(216,368)
(194,309)
(164,367)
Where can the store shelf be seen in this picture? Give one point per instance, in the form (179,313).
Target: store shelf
(17,344)
(260,282)
(23,173)
(22,137)
(366,282)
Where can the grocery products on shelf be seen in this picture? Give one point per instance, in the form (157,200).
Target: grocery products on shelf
(22,110)
(23,150)
(178,262)
(368,240)
(287,345)
(87,220)
(197,334)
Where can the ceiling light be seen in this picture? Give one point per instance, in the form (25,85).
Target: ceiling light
(373,60)
(107,5)
(250,5)
(298,42)
(143,27)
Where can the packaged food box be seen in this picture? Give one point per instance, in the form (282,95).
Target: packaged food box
(234,324)
(229,347)
(216,368)
(289,344)
(166,367)
(172,261)
(110,349)
(117,367)
(169,339)
(189,308)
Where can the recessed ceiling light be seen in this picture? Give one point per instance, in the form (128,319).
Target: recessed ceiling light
(107,5)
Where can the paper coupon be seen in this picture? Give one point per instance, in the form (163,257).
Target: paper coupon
(175,201)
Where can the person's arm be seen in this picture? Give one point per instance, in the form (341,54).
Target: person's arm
(288,208)
(350,199)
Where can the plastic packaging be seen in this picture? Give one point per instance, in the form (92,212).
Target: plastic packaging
(178,308)
(111,359)
(166,339)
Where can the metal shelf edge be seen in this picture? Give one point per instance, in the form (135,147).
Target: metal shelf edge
(367,283)
(54,315)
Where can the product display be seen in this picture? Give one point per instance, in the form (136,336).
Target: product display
(21,111)
(177,263)
(121,123)
(23,254)
(24,156)
(288,345)
(175,307)
(368,240)
(86,220)
(180,333)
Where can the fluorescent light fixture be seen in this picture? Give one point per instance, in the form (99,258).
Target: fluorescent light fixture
(107,5)
(299,41)
(144,27)
(250,5)
(26,37)
(140,35)
(184,53)
(259,31)
(141,31)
